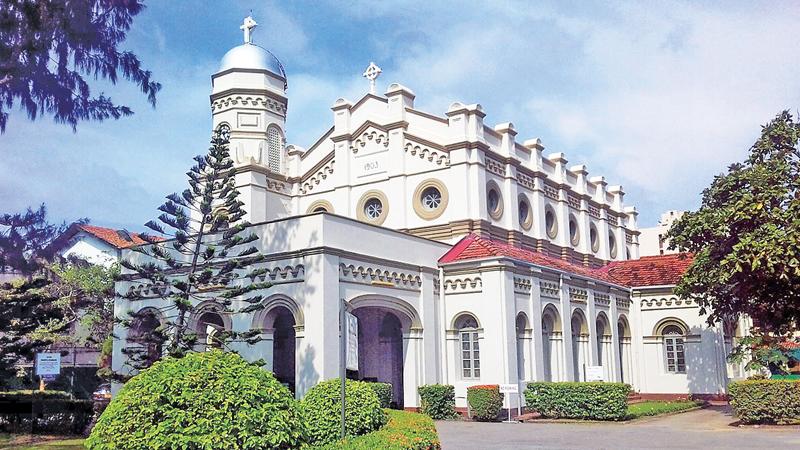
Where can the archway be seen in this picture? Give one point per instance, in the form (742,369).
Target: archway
(551,343)
(145,338)
(283,346)
(380,348)
(624,333)
(580,345)
(210,330)
(523,339)
(604,345)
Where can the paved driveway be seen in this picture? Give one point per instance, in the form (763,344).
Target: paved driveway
(706,428)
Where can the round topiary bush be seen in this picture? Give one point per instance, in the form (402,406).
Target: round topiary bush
(208,400)
(322,406)
(485,401)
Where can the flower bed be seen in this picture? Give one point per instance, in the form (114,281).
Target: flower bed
(405,431)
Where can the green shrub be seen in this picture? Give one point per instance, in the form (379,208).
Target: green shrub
(383,391)
(594,400)
(766,401)
(43,412)
(205,400)
(322,405)
(485,401)
(405,430)
(438,401)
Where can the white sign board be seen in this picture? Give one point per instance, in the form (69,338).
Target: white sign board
(509,389)
(594,373)
(352,341)
(48,364)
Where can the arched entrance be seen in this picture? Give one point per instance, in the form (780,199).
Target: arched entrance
(380,348)
(551,344)
(604,345)
(523,352)
(624,333)
(580,345)
(210,330)
(283,347)
(280,321)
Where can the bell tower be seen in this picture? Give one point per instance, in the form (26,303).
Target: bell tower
(248,97)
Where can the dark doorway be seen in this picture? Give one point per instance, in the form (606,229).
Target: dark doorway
(283,347)
(380,349)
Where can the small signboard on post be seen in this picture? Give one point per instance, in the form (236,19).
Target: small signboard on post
(352,341)
(48,365)
(508,390)
(595,373)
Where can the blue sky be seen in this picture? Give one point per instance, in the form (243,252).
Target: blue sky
(658,97)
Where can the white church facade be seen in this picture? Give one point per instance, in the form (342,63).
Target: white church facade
(469,256)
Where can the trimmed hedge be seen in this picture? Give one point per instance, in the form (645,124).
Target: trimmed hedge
(572,400)
(485,401)
(383,391)
(322,406)
(405,431)
(438,401)
(766,401)
(43,412)
(205,400)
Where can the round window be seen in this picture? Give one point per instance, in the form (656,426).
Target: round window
(550,224)
(574,236)
(431,198)
(612,246)
(525,219)
(593,239)
(494,200)
(373,209)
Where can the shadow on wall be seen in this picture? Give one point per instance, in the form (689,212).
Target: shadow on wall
(308,376)
(705,368)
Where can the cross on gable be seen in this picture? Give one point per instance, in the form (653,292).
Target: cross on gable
(371,74)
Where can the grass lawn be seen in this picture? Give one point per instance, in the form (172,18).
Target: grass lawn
(655,408)
(8,441)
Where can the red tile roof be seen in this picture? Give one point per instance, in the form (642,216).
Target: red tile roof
(113,237)
(477,247)
(661,270)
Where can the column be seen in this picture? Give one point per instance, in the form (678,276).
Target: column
(616,358)
(535,305)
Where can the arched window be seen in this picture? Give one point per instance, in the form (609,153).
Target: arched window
(467,328)
(275,151)
(674,354)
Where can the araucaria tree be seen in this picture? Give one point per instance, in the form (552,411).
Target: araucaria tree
(48,46)
(746,237)
(204,251)
(25,240)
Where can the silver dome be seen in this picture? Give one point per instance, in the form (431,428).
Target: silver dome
(251,56)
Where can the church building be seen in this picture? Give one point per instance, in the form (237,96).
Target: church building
(469,255)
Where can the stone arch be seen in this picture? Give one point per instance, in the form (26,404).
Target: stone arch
(551,317)
(208,320)
(523,334)
(623,326)
(658,330)
(459,316)
(143,345)
(578,317)
(410,318)
(580,343)
(386,330)
(265,317)
(602,319)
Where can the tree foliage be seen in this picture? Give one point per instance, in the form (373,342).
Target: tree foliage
(25,240)
(203,251)
(47,47)
(745,237)
(25,307)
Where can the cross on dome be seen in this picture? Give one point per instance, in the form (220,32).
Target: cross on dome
(371,74)
(247,26)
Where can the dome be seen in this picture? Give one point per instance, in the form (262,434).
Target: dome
(251,56)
